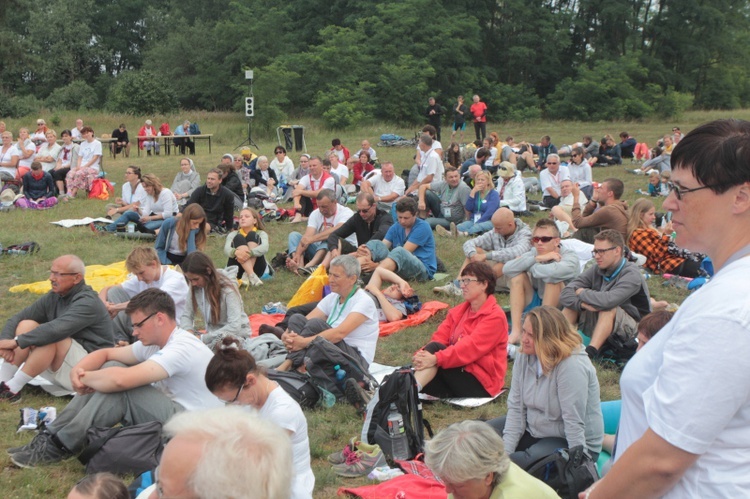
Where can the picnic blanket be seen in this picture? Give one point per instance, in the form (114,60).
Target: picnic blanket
(386,328)
(97,276)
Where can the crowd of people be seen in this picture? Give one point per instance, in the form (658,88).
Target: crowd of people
(173,345)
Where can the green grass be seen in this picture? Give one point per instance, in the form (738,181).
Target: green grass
(329,429)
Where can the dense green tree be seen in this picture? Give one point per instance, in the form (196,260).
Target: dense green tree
(141,92)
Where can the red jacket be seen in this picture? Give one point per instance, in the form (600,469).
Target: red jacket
(476,342)
(346,153)
(359,172)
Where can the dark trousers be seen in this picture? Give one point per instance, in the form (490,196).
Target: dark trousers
(311,327)
(260,266)
(550,201)
(452,382)
(480,128)
(302,310)
(182,143)
(346,247)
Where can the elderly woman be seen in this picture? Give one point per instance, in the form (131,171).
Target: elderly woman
(158,205)
(68,156)
(49,151)
(185,182)
(8,158)
(213,293)
(347,317)
(466,357)
(281,164)
(266,177)
(653,243)
(510,188)
(554,396)
(361,168)
(83,174)
(470,460)
(26,151)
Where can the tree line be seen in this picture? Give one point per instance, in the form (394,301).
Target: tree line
(348,61)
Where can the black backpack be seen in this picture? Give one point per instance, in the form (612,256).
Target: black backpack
(321,361)
(299,386)
(400,388)
(567,471)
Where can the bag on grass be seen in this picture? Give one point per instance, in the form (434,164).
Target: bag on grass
(299,386)
(400,388)
(28,248)
(123,450)
(311,289)
(321,360)
(567,471)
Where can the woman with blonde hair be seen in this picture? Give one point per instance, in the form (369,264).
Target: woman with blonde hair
(654,243)
(554,394)
(470,460)
(247,248)
(158,205)
(481,204)
(178,237)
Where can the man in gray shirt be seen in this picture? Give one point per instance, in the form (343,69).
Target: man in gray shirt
(444,199)
(54,333)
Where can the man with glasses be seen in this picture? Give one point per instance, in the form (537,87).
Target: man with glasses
(51,335)
(608,299)
(538,276)
(550,179)
(368,223)
(508,239)
(151,380)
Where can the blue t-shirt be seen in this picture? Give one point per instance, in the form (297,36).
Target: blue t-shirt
(421,235)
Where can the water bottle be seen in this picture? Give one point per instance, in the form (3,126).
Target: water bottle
(340,376)
(399,441)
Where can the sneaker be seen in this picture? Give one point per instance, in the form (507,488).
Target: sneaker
(454,230)
(307,270)
(350,448)
(7,395)
(46,451)
(356,395)
(254,280)
(449,289)
(442,231)
(360,463)
(39,440)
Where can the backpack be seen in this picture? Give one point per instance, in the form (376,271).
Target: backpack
(400,388)
(101,189)
(123,450)
(194,129)
(412,304)
(299,386)
(321,361)
(28,248)
(567,471)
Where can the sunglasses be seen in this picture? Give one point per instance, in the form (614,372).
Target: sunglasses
(365,210)
(542,239)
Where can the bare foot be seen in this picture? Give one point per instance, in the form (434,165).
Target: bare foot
(658,305)
(292,266)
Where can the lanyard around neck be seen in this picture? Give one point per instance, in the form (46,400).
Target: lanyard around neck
(331,318)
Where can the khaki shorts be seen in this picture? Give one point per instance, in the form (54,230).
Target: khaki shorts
(502,283)
(61,377)
(625,327)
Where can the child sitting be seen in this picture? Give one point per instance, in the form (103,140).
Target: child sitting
(659,183)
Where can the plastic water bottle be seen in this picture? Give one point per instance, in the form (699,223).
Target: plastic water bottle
(340,376)
(399,441)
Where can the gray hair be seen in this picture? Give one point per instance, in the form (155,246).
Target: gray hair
(554,156)
(75,264)
(426,140)
(349,264)
(250,457)
(327,193)
(465,451)
(366,196)
(262,159)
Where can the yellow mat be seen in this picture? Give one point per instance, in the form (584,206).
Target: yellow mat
(97,276)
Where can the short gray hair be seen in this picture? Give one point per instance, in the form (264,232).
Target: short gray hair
(465,451)
(328,194)
(248,456)
(557,156)
(349,264)
(426,140)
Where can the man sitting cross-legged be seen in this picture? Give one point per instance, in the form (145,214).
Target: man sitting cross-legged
(146,272)
(52,334)
(508,239)
(307,251)
(608,298)
(538,276)
(151,380)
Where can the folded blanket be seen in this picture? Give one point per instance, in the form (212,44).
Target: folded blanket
(97,276)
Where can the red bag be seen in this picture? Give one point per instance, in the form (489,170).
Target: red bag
(101,189)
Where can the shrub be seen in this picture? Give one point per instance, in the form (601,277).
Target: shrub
(344,107)
(141,92)
(74,96)
(18,106)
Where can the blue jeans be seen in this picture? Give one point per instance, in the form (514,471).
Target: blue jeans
(296,237)
(474,228)
(408,266)
(132,216)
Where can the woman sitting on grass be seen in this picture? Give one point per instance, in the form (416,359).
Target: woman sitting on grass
(653,243)
(466,357)
(554,395)
(185,182)
(248,248)
(178,237)
(234,377)
(158,205)
(214,294)
(38,189)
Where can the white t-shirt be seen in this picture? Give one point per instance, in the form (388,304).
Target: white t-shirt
(171,282)
(431,165)
(86,152)
(690,385)
(342,171)
(321,223)
(310,184)
(12,151)
(75,133)
(580,173)
(546,179)
(166,205)
(566,202)
(282,410)
(65,159)
(27,145)
(131,197)
(491,160)
(382,188)
(185,359)
(54,152)
(365,336)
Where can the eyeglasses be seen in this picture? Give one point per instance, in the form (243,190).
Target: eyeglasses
(541,239)
(681,191)
(159,489)
(59,274)
(229,402)
(552,163)
(138,325)
(602,251)
(466,281)
(574,155)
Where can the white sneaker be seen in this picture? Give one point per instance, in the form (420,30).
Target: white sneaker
(449,289)
(254,280)
(512,351)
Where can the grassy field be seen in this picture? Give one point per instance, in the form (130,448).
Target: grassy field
(329,429)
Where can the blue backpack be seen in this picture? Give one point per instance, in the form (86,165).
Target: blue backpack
(195,129)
